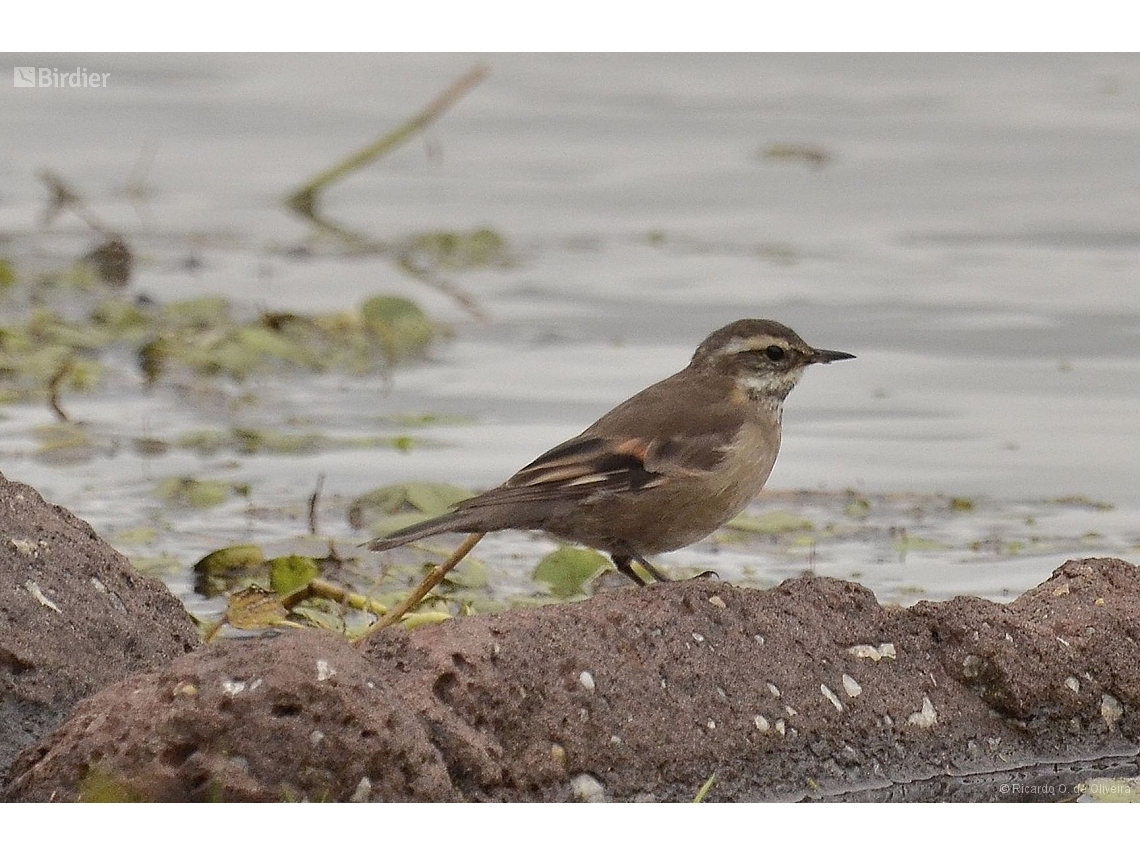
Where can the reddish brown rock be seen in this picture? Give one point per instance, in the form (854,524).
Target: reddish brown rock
(74,617)
(808,690)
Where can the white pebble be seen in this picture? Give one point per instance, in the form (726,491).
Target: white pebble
(363,791)
(830,695)
(1110,710)
(587,788)
(870,651)
(587,680)
(927,717)
(851,686)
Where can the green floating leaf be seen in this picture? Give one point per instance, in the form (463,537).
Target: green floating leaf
(202,312)
(63,444)
(421,497)
(386,525)
(398,324)
(8,276)
(460,250)
(121,317)
(1081,502)
(156,566)
(434,498)
(113,261)
(774,522)
(568,569)
(961,504)
(291,573)
(904,543)
(190,492)
(857,509)
(153,357)
(254,608)
(149,446)
(321,614)
(814,156)
(414,420)
(250,441)
(471,573)
(137,536)
(215,572)
(418,619)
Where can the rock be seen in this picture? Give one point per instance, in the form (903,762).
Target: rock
(809,690)
(74,617)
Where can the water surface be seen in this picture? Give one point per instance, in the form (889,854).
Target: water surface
(968,226)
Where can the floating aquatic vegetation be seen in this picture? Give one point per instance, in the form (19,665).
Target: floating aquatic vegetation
(811,155)
(196,493)
(387,508)
(113,261)
(568,570)
(216,572)
(289,574)
(67,444)
(773,523)
(457,250)
(8,276)
(209,337)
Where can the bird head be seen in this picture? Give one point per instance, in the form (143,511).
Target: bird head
(764,358)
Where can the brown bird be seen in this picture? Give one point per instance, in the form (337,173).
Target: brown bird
(658,472)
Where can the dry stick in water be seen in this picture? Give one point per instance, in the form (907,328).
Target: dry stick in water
(304,200)
(63,196)
(54,385)
(314,500)
(430,581)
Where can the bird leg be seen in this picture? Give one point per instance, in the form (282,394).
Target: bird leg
(424,588)
(628,554)
(622,563)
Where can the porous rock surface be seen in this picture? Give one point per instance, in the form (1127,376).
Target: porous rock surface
(74,617)
(808,690)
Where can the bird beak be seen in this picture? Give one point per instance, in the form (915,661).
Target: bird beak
(828,356)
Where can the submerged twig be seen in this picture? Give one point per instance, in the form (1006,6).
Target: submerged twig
(449,289)
(304,199)
(54,384)
(63,196)
(331,591)
(432,579)
(314,500)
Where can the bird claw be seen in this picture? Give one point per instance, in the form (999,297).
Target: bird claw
(710,575)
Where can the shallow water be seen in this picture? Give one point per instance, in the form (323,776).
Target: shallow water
(968,226)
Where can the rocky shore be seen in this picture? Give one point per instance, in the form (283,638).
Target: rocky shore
(811,690)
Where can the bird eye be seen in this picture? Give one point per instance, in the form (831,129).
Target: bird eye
(775,353)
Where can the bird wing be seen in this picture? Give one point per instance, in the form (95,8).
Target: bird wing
(591,465)
(662,432)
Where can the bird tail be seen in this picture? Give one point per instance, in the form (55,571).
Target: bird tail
(454,521)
